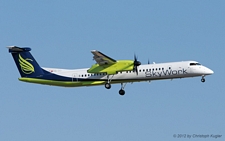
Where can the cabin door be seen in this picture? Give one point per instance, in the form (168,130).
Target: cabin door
(74,77)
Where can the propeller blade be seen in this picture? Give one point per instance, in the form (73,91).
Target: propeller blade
(136,64)
(135,58)
(148,61)
(136,69)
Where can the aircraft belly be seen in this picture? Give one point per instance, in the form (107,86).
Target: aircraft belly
(52,82)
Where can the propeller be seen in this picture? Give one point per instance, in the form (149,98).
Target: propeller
(148,61)
(136,64)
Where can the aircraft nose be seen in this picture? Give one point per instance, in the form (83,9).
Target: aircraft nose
(208,71)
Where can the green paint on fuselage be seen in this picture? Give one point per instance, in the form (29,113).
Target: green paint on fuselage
(61,83)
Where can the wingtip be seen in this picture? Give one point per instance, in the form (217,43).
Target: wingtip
(93,50)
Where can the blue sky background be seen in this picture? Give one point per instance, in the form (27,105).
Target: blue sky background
(61,34)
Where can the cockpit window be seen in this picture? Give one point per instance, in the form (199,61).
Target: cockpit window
(195,64)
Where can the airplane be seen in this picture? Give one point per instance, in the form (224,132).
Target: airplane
(106,71)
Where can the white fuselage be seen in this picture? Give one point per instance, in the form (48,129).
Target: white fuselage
(146,72)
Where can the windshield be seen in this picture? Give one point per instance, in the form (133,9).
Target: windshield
(195,64)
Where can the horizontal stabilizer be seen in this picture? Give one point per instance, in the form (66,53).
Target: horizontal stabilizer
(15,49)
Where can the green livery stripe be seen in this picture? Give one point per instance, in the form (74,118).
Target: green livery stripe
(61,83)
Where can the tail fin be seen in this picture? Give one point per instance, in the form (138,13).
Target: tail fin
(25,62)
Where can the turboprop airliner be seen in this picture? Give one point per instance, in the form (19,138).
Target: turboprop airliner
(105,72)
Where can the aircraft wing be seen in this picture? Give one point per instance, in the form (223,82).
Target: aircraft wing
(102,59)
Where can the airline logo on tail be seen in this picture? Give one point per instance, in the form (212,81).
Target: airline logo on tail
(26,66)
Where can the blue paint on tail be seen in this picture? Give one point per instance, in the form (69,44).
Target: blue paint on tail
(25,62)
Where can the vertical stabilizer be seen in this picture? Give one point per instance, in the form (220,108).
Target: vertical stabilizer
(25,62)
